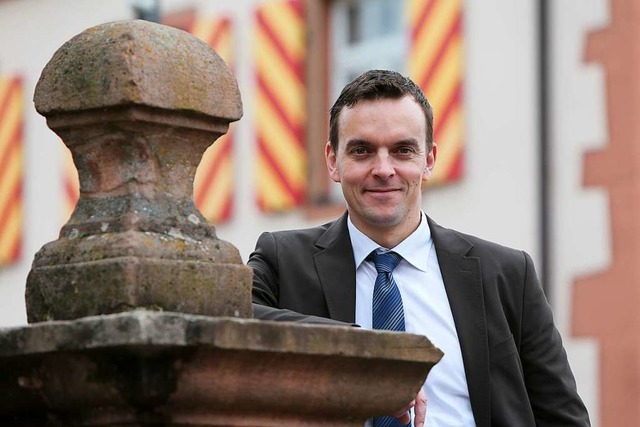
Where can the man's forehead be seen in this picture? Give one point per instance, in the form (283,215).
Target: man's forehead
(365,103)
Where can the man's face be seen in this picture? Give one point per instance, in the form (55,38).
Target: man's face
(381,163)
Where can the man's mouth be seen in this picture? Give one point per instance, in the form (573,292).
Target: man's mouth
(382,190)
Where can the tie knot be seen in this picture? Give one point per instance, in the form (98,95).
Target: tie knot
(385,262)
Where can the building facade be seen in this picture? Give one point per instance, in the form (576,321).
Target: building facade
(478,63)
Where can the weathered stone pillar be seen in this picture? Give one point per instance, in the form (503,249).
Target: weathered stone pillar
(150,309)
(137,105)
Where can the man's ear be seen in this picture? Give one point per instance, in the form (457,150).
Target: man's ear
(431,162)
(332,162)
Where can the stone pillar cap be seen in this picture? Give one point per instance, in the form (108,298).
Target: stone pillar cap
(137,63)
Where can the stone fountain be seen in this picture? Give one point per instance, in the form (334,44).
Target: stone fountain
(139,315)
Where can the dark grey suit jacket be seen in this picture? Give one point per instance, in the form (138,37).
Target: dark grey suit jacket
(516,367)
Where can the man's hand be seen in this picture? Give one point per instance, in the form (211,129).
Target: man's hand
(420,410)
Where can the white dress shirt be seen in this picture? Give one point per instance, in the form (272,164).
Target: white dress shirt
(426,312)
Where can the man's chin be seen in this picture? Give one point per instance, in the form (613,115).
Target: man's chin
(384,220)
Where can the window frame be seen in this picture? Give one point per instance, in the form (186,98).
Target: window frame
(321,62)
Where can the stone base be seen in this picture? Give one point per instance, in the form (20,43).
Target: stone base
(71,291)
(143,368)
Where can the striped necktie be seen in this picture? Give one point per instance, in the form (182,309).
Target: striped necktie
(387,312)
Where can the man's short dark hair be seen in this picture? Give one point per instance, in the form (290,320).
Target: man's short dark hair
(373,85)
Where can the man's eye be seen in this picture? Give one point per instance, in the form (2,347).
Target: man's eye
(359,151)
(405,150)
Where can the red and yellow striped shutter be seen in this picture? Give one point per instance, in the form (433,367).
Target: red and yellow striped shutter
(281,175)
(435,64)
(11,169)
(214,180)
(70,184)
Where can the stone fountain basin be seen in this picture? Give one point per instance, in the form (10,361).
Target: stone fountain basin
(170,369)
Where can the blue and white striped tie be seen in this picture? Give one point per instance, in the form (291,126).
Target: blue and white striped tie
(388,313)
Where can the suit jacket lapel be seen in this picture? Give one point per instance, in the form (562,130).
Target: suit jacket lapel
(337,272)
(463,284)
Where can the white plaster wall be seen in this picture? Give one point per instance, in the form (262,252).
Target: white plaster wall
(581,240)
(496,199)
(490,200)
(30,32)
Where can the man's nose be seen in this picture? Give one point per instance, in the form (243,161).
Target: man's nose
(383,167)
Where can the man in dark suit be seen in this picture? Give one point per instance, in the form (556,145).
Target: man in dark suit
(480,302)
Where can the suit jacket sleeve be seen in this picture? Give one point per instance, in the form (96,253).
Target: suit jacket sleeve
(265,262)
(550,384)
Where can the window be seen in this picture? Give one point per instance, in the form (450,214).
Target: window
(358,35)
(423,40)
(366,34)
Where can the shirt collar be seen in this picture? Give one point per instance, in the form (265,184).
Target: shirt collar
(414,249)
